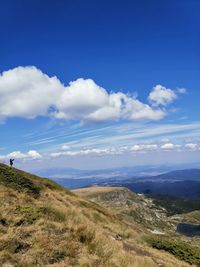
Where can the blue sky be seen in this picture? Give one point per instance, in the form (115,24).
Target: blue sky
(93,84)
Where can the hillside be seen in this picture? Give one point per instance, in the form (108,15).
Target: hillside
(155,220)
(43,224)
(135,208)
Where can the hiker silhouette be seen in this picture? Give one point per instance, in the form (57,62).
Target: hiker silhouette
(11,162)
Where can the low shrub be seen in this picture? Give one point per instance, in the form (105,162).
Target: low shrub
(179,249)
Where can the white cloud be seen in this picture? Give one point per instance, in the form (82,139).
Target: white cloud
(191,146)
(136,110)
(181,90)
(91,151)
(16,155)
(86,101)
(144,147)
(81,98)
(137,148)
(169,146)
(161,95)
(32,154)
(27,92)
(65,147)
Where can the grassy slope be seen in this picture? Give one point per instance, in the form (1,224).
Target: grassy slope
(192,217)
(142,210)
(128,205)
(43,224)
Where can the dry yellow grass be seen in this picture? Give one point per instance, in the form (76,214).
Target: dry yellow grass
(96,190)
(57,228)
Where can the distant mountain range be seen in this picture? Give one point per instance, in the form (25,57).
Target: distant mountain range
(179,183)
(121,172)
(179,175)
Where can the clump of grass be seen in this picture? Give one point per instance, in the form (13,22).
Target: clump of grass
(179,249)
(103,251)
(31,214)
(7,259)
(54,186)
(53,213)
(97,217)
(57,256)
(96,207)
(85,235)
(14,245)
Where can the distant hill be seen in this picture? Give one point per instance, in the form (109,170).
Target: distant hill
(180,183)
(183,189)
(44,224)
(180,175)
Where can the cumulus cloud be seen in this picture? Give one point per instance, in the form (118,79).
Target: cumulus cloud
(80,99)
(67,152)
(86,101)
(191,146)
(169,146)
(65,147)
(144,147)
(27,92)
(161,95)
(90,151)
(32,154)
(137,148)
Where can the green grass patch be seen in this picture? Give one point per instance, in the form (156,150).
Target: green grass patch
(31,214)
(179,249)
(53,214)
(17,180)
(23,181)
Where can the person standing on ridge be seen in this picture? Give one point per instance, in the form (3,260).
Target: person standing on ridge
(11,162)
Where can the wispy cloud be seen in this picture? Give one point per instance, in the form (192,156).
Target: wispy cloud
(128,134)
(114,135)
